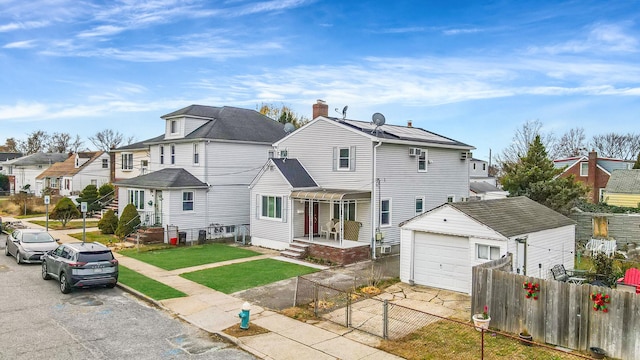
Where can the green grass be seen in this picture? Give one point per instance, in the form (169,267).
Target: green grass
(153,289)
(29,216)
(231,278)
(182,257)
(96,236)
(57,225)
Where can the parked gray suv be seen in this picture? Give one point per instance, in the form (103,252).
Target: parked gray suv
(80,265)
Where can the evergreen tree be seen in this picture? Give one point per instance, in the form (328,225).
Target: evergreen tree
(64,211)
(105,189)
(109,222)
(129,220)
(534,176)
(637,163)
(90,196)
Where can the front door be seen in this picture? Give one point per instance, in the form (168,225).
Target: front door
(306,218)
(158,207)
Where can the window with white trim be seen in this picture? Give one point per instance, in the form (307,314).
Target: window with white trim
(343,158)
(385,212)
(187,200)
(487,252)
(422,161)
(173,154)
(161,154)
(271,207)
(348,210)
(196,154)
(584,169)
(127,161)
(419,205)
(174,126)
(144,165)
(451,198)
(105,164)
(136,197)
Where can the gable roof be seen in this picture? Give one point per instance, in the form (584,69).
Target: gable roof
(391,133)
(294,173)
(508,216)
(481,187)
(606,164)
(231,123)
(173,178)
(39,158)
(4,156)
(140,145)
(68,167)
(624,181)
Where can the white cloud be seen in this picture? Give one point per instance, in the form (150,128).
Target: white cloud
(103,30)
(23,25)
(20,45)
(461,31)
(602,38)
(22,110)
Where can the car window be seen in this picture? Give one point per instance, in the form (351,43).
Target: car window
(42,237)
(59,250)
(16,235)
(65,253)
(95,256)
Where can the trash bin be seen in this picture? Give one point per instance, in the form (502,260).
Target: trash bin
(182,237)
(202,236)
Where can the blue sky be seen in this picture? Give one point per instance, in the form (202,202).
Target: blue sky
(471,71)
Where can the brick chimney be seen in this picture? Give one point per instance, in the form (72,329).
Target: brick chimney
(409,123)
(591,176)
(320,108)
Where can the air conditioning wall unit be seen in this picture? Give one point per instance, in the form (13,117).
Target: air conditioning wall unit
(465,155)
(385,249)
(412,151)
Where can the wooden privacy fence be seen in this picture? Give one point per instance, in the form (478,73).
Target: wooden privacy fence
(563,314)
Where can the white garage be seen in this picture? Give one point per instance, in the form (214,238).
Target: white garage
(439,248)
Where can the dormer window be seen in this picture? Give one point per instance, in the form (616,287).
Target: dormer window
(174,126)
(584,169)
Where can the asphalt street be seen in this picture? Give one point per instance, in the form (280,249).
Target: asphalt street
(39,322)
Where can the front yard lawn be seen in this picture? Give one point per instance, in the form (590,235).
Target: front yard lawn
(97,236)
(182,257)
(154,289)
(57,225)
(231,278)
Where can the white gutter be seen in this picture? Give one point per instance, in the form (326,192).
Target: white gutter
(374,203)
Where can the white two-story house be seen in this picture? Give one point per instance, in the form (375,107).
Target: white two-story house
(347,184)
(200,168)
(78,171)
(22,171)
(132,160)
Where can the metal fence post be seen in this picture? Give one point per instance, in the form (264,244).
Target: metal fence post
(347,318)
(385,319)
(295,292)
(315,300)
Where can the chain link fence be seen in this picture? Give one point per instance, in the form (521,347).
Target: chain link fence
(407,332)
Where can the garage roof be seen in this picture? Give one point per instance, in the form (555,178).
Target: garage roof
(513,216)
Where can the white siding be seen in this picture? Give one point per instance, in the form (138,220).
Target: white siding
(92,171)
(27,176)
(406,254)
(548,248)
(138,156)
(266,231)
(450,221)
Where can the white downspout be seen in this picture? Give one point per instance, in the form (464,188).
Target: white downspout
(374,203)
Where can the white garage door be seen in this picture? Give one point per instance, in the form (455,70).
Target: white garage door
(442,261)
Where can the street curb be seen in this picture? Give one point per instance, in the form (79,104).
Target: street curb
(233,340)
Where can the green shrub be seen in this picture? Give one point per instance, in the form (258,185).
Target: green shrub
(90,196)
(109,222)
(106,189)
(129,220)
(64,211)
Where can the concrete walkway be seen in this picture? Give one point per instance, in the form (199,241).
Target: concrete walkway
(214,311)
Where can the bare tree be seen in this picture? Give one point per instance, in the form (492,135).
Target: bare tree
(76,144)
(617,146)
(521,141)
(572,143)
(59,143)
(36,142)
(107,139)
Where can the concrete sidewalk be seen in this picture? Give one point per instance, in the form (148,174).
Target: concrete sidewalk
(214,311)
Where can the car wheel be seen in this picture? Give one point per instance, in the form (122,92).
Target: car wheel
(18,257)
(45,274)
(111,286)
(6,249)
(64,285)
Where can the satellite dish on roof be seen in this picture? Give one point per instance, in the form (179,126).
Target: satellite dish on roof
(289,127)
(378,119)
(344,111)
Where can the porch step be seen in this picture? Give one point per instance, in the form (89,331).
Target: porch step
(292,254)
(295,251)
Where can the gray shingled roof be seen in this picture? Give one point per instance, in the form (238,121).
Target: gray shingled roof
(513,216)
(4,156)
(140,144)
(164,179)
(38,159)
(295,174)
(624,182)
(231,123)
(480,187)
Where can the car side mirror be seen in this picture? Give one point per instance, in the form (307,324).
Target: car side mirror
(58,241)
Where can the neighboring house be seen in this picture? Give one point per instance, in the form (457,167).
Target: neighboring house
(623,188)
(131,160)
(480,190)
(479,171)
(4,156)
(23,171)
(440,247)
(371,177)
(593,171)
(201,167)
(78,171)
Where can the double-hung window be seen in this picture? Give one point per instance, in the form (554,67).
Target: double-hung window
(385,212)
(343,159)
(422,161)
(271,207)
(105,164)
(348,210)
(187,200)
(127,161)
(173,154)
(419,205)
(584,169)
(174,126)
(487,252)
(196,154)
(161,154)
(136,197)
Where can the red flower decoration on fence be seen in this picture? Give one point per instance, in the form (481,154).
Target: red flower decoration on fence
(532,290)
(600,301)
